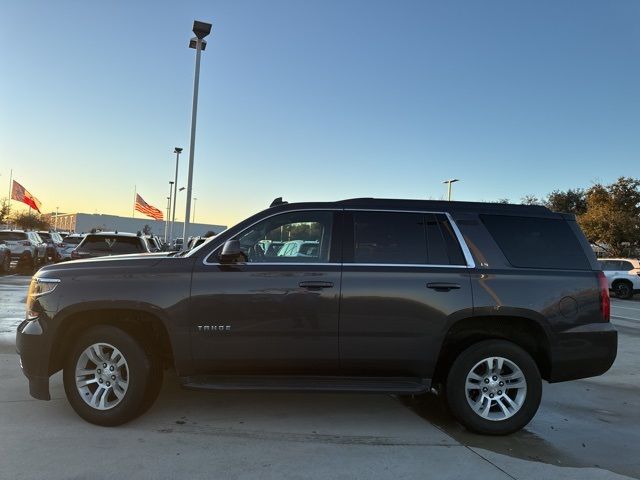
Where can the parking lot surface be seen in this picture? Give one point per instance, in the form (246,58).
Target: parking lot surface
(586,429)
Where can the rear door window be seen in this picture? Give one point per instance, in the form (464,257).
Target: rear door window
(625,266)
(405,238)
(532,242)
(388,237)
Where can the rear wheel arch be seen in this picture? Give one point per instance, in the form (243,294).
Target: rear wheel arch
(524,332)
(146,328)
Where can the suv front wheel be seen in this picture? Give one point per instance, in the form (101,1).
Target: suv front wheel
(494,387)
(109,377)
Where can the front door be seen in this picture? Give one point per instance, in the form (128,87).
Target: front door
(276,312)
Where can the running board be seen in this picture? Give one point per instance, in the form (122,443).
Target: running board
(398,385)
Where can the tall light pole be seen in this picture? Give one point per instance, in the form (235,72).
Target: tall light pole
(193,220)
(166,224)
(450,181)
(172,198)
(201,30)
(177,151)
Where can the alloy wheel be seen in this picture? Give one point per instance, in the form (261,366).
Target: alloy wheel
(495,388)
(102,376)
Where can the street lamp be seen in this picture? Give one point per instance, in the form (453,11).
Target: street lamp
(177,151)
(201,30)
(167,233)
(450,181)
(193,220)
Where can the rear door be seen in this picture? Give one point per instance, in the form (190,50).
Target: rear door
(404,275)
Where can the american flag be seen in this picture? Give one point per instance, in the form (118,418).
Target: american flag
(146,209)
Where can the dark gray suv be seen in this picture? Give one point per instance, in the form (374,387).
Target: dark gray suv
(478,301)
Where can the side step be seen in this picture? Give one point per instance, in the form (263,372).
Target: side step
(398,385)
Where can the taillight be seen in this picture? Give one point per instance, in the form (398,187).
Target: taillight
(605,301)
(75,254)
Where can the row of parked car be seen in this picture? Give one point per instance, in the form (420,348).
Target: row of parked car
(31,249)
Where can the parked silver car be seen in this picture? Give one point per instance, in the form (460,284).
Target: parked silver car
(26,247)
(68,245)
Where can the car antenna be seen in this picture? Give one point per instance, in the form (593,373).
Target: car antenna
(277,201)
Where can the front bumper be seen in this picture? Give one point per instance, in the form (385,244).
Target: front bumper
(33,347)
(584,351)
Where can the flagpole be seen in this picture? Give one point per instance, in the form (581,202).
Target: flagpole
(10,186)
(133,214)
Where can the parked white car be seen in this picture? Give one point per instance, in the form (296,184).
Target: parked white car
(26,247)
(69,243)
(623,275)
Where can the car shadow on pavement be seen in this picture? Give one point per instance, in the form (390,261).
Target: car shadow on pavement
(525,444)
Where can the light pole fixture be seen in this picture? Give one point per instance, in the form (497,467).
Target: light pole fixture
(169,229)
(449,182)
(201,30)
(177,151)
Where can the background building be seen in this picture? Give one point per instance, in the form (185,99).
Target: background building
(85,222)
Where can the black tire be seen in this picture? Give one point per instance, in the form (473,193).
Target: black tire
(456,391)
(145,375)
(6,264)
(623,289)
(26,264)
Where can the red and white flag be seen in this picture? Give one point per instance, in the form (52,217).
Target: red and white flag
(146,209)
(21,194)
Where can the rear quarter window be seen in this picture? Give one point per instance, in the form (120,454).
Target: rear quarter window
(531,242)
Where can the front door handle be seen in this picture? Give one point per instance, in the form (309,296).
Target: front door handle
(315,285)
(443,287)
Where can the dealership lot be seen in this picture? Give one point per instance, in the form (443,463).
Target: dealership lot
(592,425)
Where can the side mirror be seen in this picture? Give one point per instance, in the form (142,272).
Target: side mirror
(231,252)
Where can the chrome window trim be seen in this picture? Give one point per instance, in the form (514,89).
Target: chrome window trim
(463,245)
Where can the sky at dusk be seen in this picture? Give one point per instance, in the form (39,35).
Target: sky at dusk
(316,100)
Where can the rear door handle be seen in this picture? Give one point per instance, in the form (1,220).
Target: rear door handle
(443,287)
(315,285)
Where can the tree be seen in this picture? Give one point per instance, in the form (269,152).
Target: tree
(31,222)
(612,216)
(502,200)
(530,200)
(5,210)
(571,201)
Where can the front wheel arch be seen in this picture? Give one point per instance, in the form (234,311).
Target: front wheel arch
(143,326)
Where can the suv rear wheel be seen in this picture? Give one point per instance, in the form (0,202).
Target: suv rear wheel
(110,378)
(623,289)
(6,264)
(494,387)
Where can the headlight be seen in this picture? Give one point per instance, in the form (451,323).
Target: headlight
(42,286)
(37,288)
